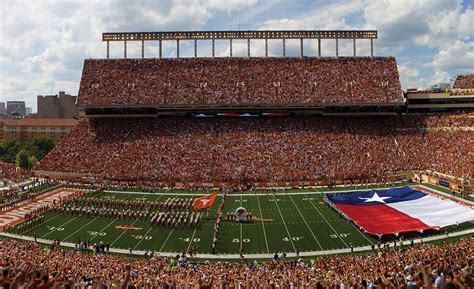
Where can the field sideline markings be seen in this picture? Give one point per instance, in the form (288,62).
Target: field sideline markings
(263,224)
(328,223)
(256,256)
(304,219)
(151,227)
(261,194)
(58,227)
(72,234)
(284,223)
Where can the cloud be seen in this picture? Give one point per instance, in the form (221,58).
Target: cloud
(231,5)
(410,77)
(455,58)
(431,23)
(43,52)
(330,17)
(47,48)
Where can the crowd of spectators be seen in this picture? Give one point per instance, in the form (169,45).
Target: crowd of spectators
(239,81)
(26,265)
(239,150)
(10,172)
(464,82)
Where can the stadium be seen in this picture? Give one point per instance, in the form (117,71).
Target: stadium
(247,165)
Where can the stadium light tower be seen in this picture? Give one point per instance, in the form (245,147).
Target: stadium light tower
(240,35)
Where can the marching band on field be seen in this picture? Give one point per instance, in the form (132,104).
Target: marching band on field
(173,212)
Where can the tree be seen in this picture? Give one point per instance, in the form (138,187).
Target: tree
(41,146)
(32,161)
(22,159)
(38,147)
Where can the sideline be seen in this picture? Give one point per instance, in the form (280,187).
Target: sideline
(248,256)
(255,194)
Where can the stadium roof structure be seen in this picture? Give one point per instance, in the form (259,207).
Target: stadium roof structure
(239,35)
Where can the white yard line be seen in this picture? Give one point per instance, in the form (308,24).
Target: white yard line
(307,225)
(284,223)
(143,237)
(358,230)
(151,227)
(24,233)
(80,229)
(59,227)
(103,229)
(263,225)
(162,246)
(124,231)
(240,227)
(191,241)
(328,223)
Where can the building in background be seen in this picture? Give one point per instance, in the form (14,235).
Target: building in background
(61,105)
(3,109)
(16,108)
(29,110)
(29,128)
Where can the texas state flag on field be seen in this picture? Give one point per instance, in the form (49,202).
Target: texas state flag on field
(399,210)
(204,202)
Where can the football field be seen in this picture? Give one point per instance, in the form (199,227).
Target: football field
(283,222)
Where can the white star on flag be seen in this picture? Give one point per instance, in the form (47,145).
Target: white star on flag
(375,198)
(204,201)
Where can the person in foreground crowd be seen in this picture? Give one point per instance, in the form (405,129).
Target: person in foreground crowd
(26,265)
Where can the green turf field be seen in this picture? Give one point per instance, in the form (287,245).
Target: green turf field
(298,220)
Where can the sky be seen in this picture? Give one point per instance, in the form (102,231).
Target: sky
(43,43)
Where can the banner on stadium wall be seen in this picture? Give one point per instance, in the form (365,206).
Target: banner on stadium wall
(444,183)
(433,181)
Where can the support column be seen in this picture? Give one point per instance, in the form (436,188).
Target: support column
(302,54)
(213,48)
(354,46)
(337,47)
(160,48)
(125,49)
(284,48)
(319,47)
(248,47)
(143,48)
(177,48)
(107,49)
(371,47)
(266,47)
(230,46)
(195,47)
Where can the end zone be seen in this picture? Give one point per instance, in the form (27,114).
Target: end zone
(17,214)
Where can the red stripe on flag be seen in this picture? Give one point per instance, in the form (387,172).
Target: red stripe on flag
(382,219)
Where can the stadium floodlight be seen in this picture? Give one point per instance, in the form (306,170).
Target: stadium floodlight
(242,35)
